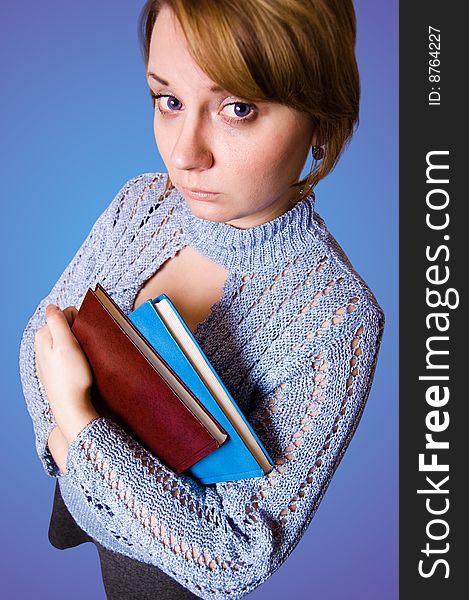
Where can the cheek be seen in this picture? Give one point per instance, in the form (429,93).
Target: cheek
(255,153)
(162,141)
(245,172)
(283,159)
(266,159)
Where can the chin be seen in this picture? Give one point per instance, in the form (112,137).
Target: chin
(209,211)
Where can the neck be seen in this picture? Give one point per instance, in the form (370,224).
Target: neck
(232,246)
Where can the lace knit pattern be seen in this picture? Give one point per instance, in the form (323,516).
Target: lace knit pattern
(294,337)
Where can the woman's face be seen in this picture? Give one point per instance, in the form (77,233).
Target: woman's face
(209,140)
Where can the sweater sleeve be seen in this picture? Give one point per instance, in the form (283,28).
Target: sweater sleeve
(68,291)
(226,539)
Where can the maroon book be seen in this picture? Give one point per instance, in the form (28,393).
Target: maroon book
(135,387)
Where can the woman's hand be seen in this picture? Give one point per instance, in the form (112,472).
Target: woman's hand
(64,372)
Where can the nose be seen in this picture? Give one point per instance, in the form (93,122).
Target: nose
(192,149)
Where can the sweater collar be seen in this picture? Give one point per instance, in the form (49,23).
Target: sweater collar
(263,244)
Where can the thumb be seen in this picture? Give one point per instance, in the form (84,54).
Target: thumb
(70,313)
(58,325)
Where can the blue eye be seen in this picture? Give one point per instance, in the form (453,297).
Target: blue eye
(240,109)
(244,112)
(172,102)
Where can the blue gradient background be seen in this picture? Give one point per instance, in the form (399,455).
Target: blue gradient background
(76,123)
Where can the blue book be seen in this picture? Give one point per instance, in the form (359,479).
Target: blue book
(242,455)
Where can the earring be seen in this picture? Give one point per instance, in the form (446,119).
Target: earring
(317,152)
(302,190)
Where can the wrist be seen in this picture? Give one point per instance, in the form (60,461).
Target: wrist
(73,414)
(72,426)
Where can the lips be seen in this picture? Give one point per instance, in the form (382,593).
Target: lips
(197,191)
(199,194)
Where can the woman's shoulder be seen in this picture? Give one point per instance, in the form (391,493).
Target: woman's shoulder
(138,198)
(141,188)
(339,283)
(146,179)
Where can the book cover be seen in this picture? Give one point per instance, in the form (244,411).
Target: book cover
(242,455)
(134,386)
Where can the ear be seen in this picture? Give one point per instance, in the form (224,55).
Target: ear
(314,137)
(314,128)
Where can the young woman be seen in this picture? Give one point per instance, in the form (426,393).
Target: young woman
(242,93)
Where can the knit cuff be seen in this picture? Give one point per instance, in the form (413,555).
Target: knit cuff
(98,433)
(45,455)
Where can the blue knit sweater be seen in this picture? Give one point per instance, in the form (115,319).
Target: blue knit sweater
(294,337)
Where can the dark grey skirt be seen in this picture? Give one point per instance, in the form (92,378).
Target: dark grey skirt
(123,577)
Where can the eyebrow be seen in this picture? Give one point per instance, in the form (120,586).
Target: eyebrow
(213,88)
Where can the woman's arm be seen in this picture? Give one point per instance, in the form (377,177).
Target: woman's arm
(225,540)
(86,267)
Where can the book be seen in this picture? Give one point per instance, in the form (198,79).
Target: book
(135,386)
(242,455)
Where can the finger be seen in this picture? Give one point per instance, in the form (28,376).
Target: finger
(70,313)
(42,338)
(58,325)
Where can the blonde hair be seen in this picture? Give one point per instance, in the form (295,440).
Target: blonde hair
(300,53)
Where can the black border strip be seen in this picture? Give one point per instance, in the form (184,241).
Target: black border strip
(433,328)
